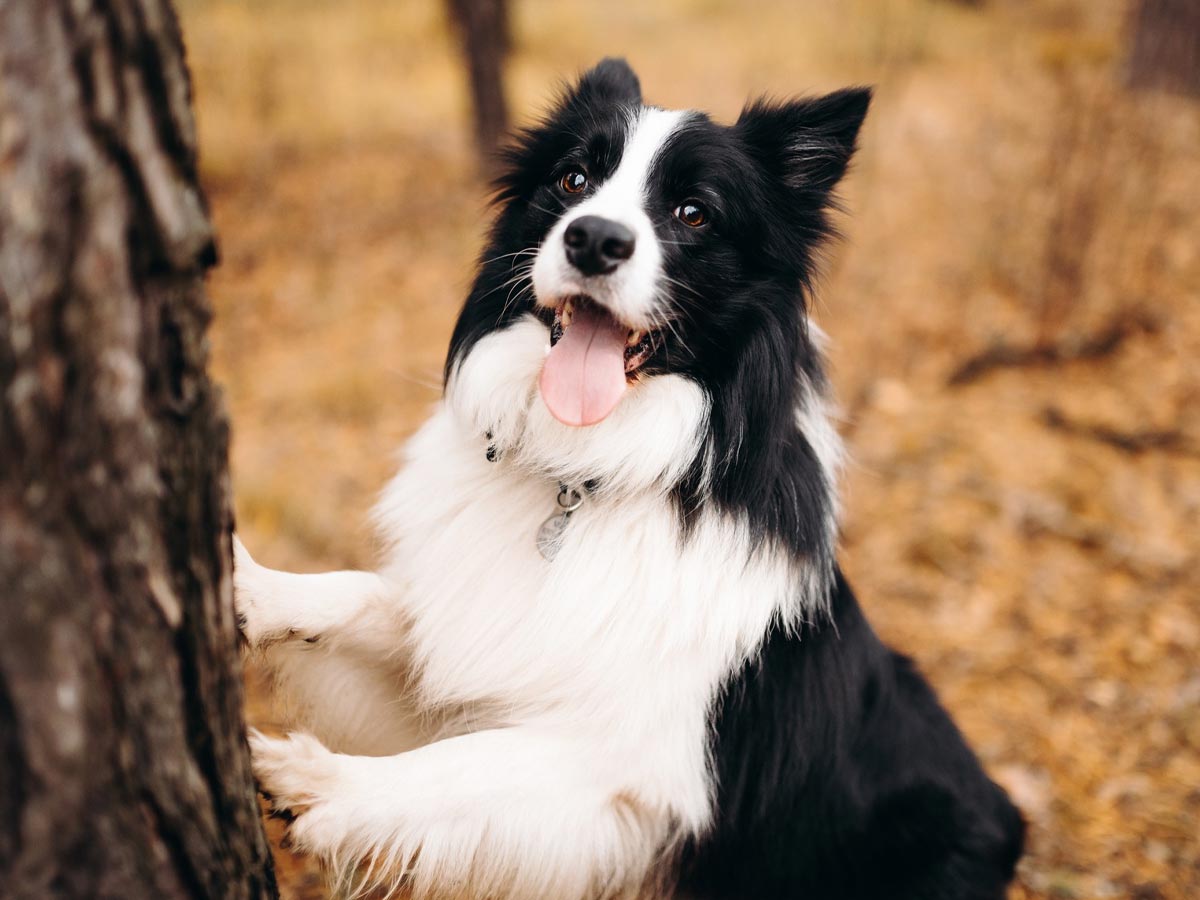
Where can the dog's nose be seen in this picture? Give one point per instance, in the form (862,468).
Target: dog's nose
(596,246)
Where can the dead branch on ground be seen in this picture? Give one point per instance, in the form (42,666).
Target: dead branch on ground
(1071,348)
(1133,442)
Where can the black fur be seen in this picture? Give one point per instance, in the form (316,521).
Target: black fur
(840,777)
(838,774)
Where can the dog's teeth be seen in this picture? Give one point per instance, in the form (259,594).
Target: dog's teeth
(568,308)
(635,338)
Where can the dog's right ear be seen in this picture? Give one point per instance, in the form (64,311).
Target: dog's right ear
(610,80)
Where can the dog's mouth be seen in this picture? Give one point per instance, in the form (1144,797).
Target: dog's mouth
(638,342)
(593,358)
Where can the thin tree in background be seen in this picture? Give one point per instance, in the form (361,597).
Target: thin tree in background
(124,771)
(483,31)
(1164,45)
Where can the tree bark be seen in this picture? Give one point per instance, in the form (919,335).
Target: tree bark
(484,34)
(124,771)
(1164,46)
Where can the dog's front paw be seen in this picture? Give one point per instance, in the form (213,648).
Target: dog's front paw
(306,783)
(295,772)
(262,617)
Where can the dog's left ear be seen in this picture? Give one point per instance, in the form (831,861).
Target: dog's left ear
(806,143)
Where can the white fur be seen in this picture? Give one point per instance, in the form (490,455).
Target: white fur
(333,643)
(563,706)
(630,293)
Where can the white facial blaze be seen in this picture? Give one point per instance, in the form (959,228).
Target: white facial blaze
(629,292)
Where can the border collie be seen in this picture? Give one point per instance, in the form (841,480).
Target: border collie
(609,652)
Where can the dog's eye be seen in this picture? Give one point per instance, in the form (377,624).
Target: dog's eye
(691,214)
(573,181)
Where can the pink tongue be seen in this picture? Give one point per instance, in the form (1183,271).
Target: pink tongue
(584,375)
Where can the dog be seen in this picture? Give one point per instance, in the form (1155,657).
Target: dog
(610,652)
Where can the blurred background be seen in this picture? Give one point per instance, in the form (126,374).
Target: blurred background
(1015,315)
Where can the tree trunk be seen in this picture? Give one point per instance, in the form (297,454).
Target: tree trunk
(1164,46)
(483,31)
(124,771)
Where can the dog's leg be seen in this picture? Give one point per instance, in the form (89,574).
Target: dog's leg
(517,812)
(356,610)
(332,644)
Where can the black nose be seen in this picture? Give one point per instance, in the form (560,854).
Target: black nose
(596,246)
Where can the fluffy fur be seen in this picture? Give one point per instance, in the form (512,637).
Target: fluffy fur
(686,701)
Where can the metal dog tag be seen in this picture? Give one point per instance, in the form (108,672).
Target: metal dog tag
(550,532)
(549,536)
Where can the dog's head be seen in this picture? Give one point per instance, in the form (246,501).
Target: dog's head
(657,239)
(653,242)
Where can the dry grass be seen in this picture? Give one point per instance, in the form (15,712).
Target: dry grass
(1042,567)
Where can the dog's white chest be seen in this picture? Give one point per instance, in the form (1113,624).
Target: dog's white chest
(490,614)
(624,596)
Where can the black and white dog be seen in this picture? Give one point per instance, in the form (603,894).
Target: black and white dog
(610,653)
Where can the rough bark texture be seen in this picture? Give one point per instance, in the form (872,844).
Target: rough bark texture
(124,771)
(1164,46)
(483,30)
